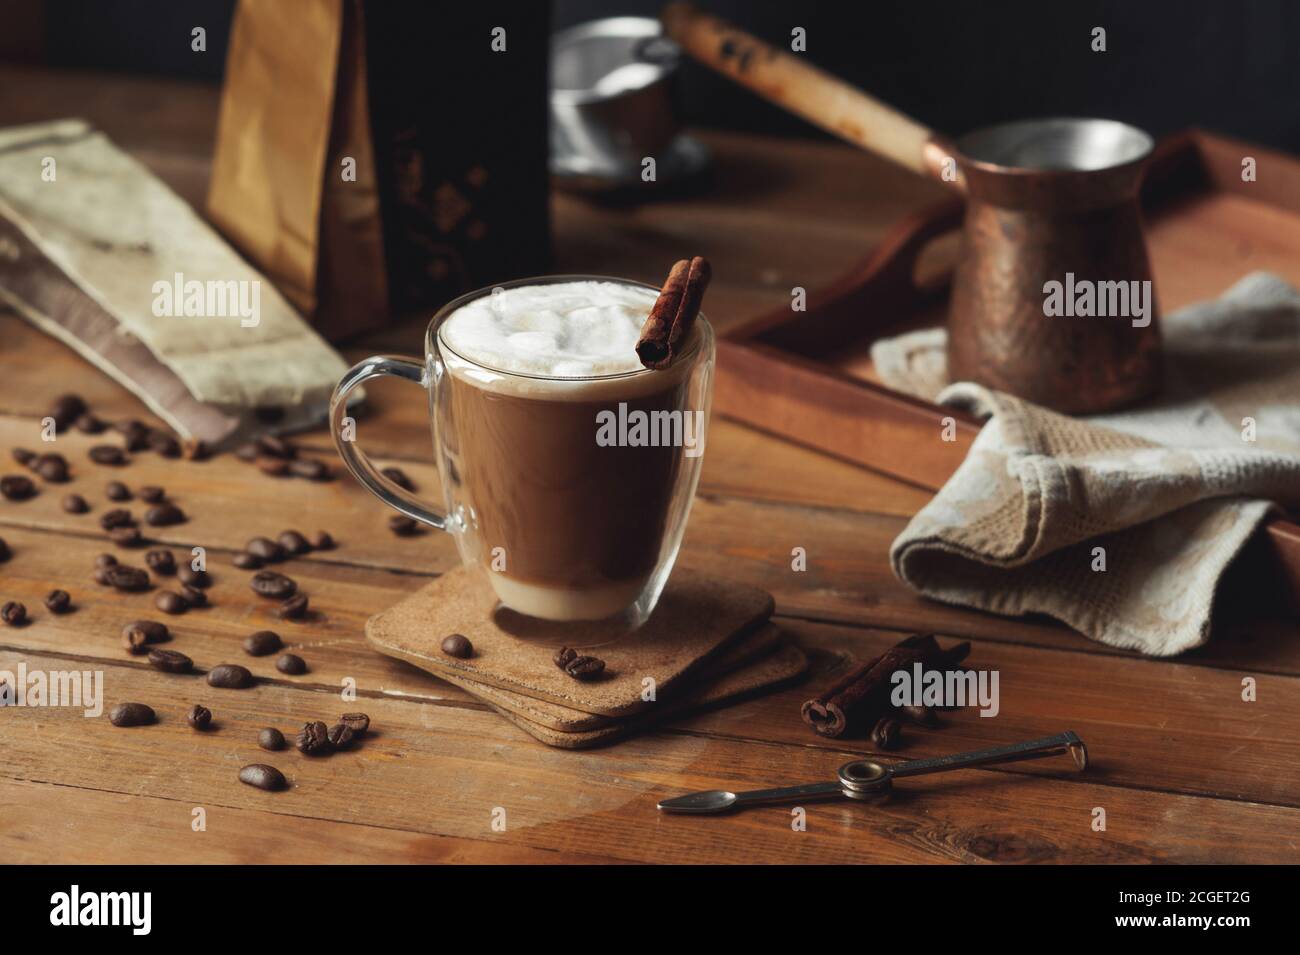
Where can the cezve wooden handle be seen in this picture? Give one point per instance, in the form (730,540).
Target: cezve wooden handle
(803,89)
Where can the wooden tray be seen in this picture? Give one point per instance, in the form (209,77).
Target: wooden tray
(808,376)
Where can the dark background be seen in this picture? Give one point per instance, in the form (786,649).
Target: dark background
(1228,65)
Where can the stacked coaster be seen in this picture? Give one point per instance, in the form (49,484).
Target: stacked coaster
(708,642)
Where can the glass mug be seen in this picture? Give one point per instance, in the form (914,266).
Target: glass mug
(569,495)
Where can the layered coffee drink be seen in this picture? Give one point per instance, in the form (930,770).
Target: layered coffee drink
(567,466)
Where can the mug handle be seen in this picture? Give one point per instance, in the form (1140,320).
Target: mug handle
(381,487)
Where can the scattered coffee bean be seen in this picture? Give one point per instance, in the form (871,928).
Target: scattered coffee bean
(105,560)
(164,444)
(262,776)
(164,515)
(170,661)
(170,603)
(359,723)
(135,436)
(131,714)
(579,667)
(135,641)
(262,642)
(127,536)
(89,424)
(23,456)
(314,739)
(267,583)
(291,664)
(311,469)
(161,562)
(230,676)
(52,467)
(13,613)
(75,504)
(403,526)
(398,477)
(340,736)
(458,645)
(293,542)
(295,608)
(58,601)
(266,549)
(276,447)
(17,487)
(107,454)
(186,574)
(122,577)
(274,467)
(152,631)
(199,717)
(117,517)
(246,561)
(322,541)
(100,575)
(117,491)
(152,494)
(193,596)
(66,409)
(888,733)
(270,738)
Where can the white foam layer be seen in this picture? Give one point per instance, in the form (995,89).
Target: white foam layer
(558,603)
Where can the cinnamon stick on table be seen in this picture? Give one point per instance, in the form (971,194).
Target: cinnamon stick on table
(668,328)
(862,696)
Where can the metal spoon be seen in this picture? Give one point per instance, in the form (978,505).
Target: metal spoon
(869,780)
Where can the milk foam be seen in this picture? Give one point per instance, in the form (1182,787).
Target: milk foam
(563,330)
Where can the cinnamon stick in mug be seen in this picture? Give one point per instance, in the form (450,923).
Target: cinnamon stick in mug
(673,316)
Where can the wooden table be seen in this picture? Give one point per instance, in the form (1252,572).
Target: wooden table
(1182,767)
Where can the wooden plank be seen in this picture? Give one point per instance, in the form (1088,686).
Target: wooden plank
(446,771)
(41,823)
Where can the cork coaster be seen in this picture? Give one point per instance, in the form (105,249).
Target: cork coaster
(696,616)
(739,652)
(783,666)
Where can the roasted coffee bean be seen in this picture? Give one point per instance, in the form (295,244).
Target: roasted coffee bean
(263,776)
(193,596)
(170,661)
(314,739)
(117,517)
(186,574)
(105,560)
(23,456)
(295,608)
(152,630)
(273,467)
(89,424)
(75,504)
(269,444)
(340,736)
(266,549)
(291,664)
(199,717)
(58,601)
(127,536)
(152,494)
(403,526)
(5,553)
(135,641)
(117,491)
(458,645)
(107,454)
(267,583)
(52,467)
(270,738)
(887,733)
(311,469)
(161,562)
(17,487)
(13,613)
(66,409)
(246,561)
(917,713)
(293,542)
(164,515)
(131,714)
(359,723)
(398,477)
(164,444)
(322,541)
(262,642)
(136,439)
(122,577)
(230,676)
(171,603)
(578,666)
(100,576)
